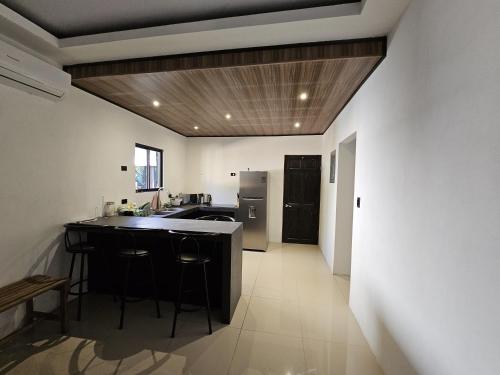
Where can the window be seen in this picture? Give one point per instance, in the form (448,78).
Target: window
(148,168)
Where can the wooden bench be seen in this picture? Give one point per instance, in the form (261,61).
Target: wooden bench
(25,290)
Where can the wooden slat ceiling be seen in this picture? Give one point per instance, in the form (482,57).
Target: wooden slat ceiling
(259,88)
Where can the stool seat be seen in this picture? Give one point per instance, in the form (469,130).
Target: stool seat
(81,248)
(188,258)
(132,253)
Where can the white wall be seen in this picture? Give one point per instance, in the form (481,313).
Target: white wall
(425,257)
(56,161)
(211,160)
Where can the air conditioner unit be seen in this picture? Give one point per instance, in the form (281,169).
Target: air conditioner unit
(21,70)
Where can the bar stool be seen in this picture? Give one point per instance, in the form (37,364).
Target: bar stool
(129,252)
(216,218)
(187,252)
(79,246)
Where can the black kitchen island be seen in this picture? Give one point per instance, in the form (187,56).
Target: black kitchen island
(225,270)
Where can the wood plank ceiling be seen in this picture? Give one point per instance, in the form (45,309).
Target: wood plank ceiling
(252,92)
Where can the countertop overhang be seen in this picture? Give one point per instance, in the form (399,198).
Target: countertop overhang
(160,223)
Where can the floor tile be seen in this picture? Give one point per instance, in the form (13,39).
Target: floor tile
(292,318)
(246,289)
(344,284)
(274,316)
(265,353)
(240,312)
(195,353)
(319,291)
(336,324)
(327,358)
(281,291)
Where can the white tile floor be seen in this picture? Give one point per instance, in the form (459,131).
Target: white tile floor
(293,318)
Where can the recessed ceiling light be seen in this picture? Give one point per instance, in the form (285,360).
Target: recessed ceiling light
(228,116)
(303,96)
(196,127)
(297,124)
(156,103)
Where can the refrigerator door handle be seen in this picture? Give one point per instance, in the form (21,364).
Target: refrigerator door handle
(252,199)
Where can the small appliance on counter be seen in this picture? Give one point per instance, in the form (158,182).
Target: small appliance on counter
(193,198)
(109,209)
(207,199)
(176,201)
(198,198)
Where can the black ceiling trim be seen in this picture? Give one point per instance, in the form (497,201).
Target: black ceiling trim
(152,59)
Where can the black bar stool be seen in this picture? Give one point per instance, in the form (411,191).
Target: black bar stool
(129,251)
(187,252)
(75,240)
(216,218)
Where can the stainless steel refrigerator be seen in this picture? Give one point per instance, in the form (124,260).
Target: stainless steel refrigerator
(253,209)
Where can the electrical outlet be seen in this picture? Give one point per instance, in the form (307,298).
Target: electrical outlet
(124,201)
(124,168)
(233,174)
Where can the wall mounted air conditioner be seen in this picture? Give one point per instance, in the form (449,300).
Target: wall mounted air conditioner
(21,70)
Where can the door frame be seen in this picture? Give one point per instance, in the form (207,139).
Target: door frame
(344,205)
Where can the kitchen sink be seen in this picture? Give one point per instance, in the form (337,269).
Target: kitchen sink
(166,211)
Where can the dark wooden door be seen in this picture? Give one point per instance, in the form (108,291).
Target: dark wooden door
(301,196)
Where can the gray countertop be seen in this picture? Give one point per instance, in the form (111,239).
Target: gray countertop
(201,226)
(189,208)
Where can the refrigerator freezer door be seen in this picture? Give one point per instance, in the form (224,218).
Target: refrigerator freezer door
(254,217)
(253,184)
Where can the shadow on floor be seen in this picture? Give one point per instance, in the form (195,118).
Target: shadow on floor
(96,345)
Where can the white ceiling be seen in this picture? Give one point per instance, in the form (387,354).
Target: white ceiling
(70,18)
(335,22)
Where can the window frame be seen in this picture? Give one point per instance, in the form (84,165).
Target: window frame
(148,149)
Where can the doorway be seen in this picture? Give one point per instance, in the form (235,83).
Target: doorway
(301,197)
(345,206)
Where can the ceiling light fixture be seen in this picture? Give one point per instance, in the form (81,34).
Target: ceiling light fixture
(196,127)
(297,124)
(156,103)
(303,96)
(228,116)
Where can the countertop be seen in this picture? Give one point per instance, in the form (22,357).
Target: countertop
(201,226)
(181,211)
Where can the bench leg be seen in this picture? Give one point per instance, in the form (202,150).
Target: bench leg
(29,311)
(63,298)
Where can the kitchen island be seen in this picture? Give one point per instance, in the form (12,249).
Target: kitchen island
(224,271)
